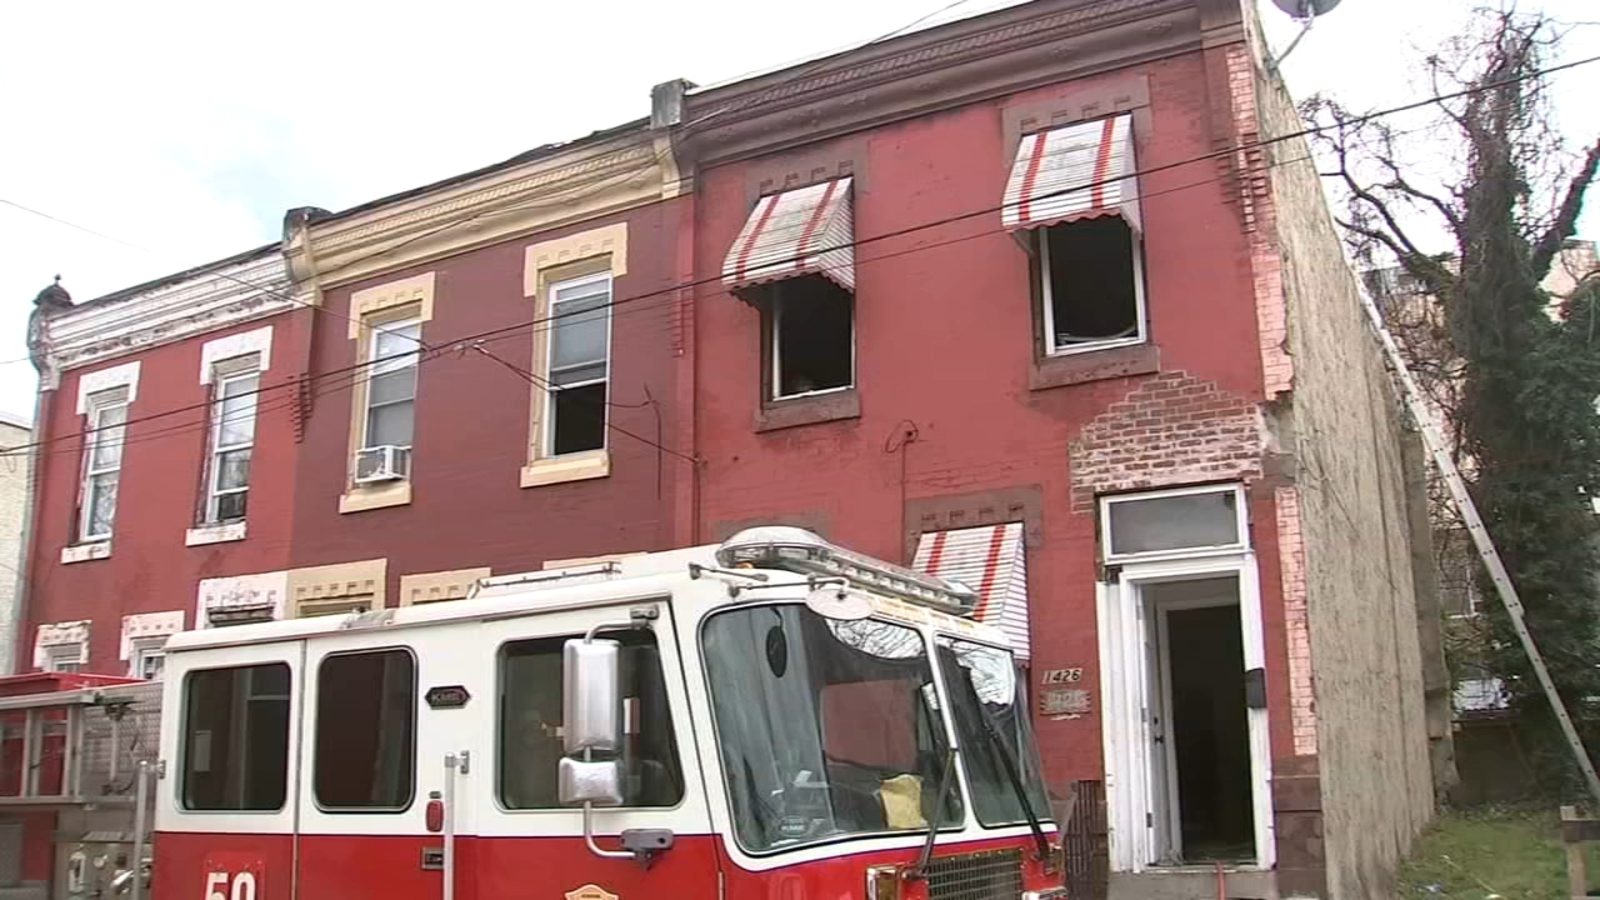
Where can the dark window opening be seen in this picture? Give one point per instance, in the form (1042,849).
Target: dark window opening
(366,731)
(812,328)
(236,738)
(1090,278)
(580,418)
(530,724)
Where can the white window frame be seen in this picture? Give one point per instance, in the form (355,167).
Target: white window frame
(1242,545)
(214,459)
(1047,292)
(413,362)
(144,651)
(65,657)
(548,376)
(98,405)
(776,306)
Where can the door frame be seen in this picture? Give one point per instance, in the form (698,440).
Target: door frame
(1126,674)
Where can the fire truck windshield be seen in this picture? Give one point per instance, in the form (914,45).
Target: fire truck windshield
(828,729)
(992,725)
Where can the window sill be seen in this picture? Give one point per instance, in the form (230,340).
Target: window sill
(214,534)
(1093,365)
(361,498)
(776,414)
(77,553)
(561,469)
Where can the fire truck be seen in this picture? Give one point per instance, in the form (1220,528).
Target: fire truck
(771,717)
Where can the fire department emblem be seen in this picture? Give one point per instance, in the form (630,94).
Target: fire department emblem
(591,892)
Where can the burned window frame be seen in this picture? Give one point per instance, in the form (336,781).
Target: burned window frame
(1037,244)
(406,763)
(769,300)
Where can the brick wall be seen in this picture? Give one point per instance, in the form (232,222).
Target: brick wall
(1350,605)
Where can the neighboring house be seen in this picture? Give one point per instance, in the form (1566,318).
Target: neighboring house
(985,298)
(14,489)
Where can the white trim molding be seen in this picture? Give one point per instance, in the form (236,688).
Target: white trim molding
(77,553)
(242,595)
(54,637)
(214,297)
(110,379)
(258,341)
(146,628)
(202,535)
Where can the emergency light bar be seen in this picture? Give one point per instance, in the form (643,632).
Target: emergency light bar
(801,551)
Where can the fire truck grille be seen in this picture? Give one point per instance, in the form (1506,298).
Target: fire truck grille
(986,875)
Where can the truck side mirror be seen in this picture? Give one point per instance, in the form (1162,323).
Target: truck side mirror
(591,716)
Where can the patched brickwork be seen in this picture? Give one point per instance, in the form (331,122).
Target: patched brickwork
(1173,429)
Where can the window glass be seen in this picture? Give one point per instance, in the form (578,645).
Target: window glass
(392,384)
(1090,282)
(991,718)
(813,336)
(366,731)
(1184,521)
(580,311)
(108,415)
(828,730)
(236,738)
(530,724)
(233,434)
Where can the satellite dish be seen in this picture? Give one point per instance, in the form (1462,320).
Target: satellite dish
(1306,9)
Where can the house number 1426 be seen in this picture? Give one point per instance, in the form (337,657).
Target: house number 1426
(1061,676)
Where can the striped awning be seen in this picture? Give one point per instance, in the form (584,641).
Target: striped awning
(806,231)
(991,560)
(1075,172)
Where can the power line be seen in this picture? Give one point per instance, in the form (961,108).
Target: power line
(901,232)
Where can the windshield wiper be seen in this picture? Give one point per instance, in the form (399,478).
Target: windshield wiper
(946,778)
(1010,765)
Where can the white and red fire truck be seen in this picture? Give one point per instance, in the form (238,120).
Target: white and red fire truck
(773,717)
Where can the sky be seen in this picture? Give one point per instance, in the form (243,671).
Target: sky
(180,131)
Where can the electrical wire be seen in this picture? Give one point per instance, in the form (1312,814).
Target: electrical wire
(901,232)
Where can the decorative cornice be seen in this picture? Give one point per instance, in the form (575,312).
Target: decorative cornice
(589,180)
(206,301)
(980,58)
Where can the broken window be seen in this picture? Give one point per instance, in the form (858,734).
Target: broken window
(579,363)
(811,327)
(1091,284)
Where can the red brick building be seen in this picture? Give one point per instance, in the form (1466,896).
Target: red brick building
(1023,299)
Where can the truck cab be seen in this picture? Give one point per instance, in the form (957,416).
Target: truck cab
(772,717)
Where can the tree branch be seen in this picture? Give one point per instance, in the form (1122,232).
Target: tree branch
(1566,221)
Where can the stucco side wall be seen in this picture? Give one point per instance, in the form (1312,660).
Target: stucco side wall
(1340,423)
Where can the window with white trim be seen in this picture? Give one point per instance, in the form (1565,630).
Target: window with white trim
(1179,522)
(64,658)
(147,658)
(1091,285)
(810,323)
(102,463)
(233,433)
(578,363)
(393,355)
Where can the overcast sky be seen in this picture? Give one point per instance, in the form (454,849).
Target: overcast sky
(187,128)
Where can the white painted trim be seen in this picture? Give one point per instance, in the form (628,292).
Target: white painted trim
(1240,509)
(145,628)
(61,639)
(1125,725)
(1047,299)
(258,341)
(102,380)
(214,534)
(77,553)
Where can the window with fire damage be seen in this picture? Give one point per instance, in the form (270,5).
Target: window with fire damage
(578,369)
(531,719)
(811,343)
(1091,285)
(235,739)
(366,724)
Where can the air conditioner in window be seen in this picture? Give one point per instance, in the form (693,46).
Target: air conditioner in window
(385,463)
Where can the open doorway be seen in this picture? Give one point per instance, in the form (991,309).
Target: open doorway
(1200,723)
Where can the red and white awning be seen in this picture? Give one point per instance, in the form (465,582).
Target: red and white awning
(991,560)
(806,231)
(1074,172)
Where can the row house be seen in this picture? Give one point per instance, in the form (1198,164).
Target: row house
(1020,299)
